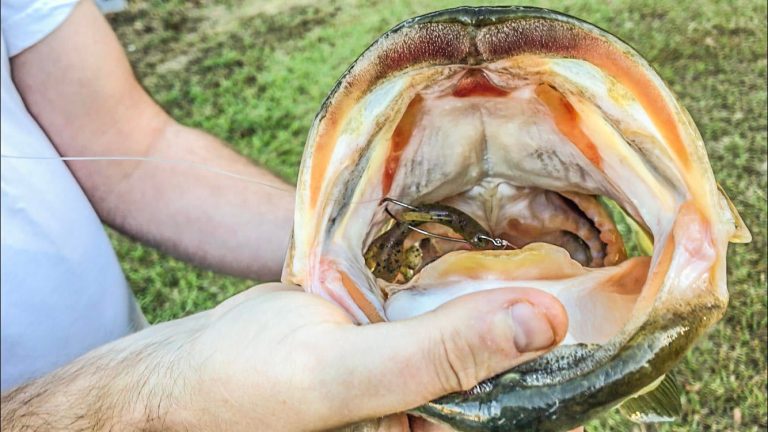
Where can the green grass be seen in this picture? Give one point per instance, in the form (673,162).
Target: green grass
(255,73)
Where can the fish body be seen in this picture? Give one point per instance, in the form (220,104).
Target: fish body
(528,121)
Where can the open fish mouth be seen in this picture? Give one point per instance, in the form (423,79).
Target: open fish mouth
(477,148)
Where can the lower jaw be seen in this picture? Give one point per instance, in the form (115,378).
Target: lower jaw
(609,293)
(572,384)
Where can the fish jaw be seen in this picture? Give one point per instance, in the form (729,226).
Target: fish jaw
(566,387)
(601,107)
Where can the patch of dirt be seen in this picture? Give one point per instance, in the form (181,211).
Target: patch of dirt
(223,18)
(165,39)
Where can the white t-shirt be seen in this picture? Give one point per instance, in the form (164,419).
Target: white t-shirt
(63,292)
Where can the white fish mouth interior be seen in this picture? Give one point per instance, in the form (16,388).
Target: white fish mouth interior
(505,158)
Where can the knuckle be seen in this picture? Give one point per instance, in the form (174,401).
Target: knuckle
(456,363)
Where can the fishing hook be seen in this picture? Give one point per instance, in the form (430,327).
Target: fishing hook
(496,242)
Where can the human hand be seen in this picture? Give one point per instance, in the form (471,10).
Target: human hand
(275,358)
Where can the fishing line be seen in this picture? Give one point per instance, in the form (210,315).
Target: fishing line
(178,162)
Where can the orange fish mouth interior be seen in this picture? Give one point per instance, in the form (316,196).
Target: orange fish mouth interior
(512,154)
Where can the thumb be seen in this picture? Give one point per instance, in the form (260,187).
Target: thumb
(397,366)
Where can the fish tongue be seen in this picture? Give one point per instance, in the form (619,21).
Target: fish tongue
(462,272)
(599,302)
(534,261)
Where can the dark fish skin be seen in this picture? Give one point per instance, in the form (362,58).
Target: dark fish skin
(544,395)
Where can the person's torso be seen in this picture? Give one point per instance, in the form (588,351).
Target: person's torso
(63,292)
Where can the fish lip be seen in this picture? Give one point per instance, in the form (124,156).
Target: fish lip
(473,17)
(480,16)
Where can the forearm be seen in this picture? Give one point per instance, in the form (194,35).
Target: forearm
(135,383)
(79,86)
(236,225)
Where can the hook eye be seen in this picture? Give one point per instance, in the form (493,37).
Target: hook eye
(496,242)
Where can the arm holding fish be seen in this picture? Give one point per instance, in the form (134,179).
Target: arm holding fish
(265,353)
(79,86)
(273,351)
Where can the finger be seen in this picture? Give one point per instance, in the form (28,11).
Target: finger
(392,367)
(419,424)
(392,423)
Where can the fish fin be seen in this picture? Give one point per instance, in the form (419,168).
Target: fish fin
(659,404)
(741,234)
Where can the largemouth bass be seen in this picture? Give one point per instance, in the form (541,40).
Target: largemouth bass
(477,148)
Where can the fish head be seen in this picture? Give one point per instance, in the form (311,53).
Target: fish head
(553,135)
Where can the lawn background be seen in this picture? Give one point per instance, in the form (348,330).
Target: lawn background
(255,72)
